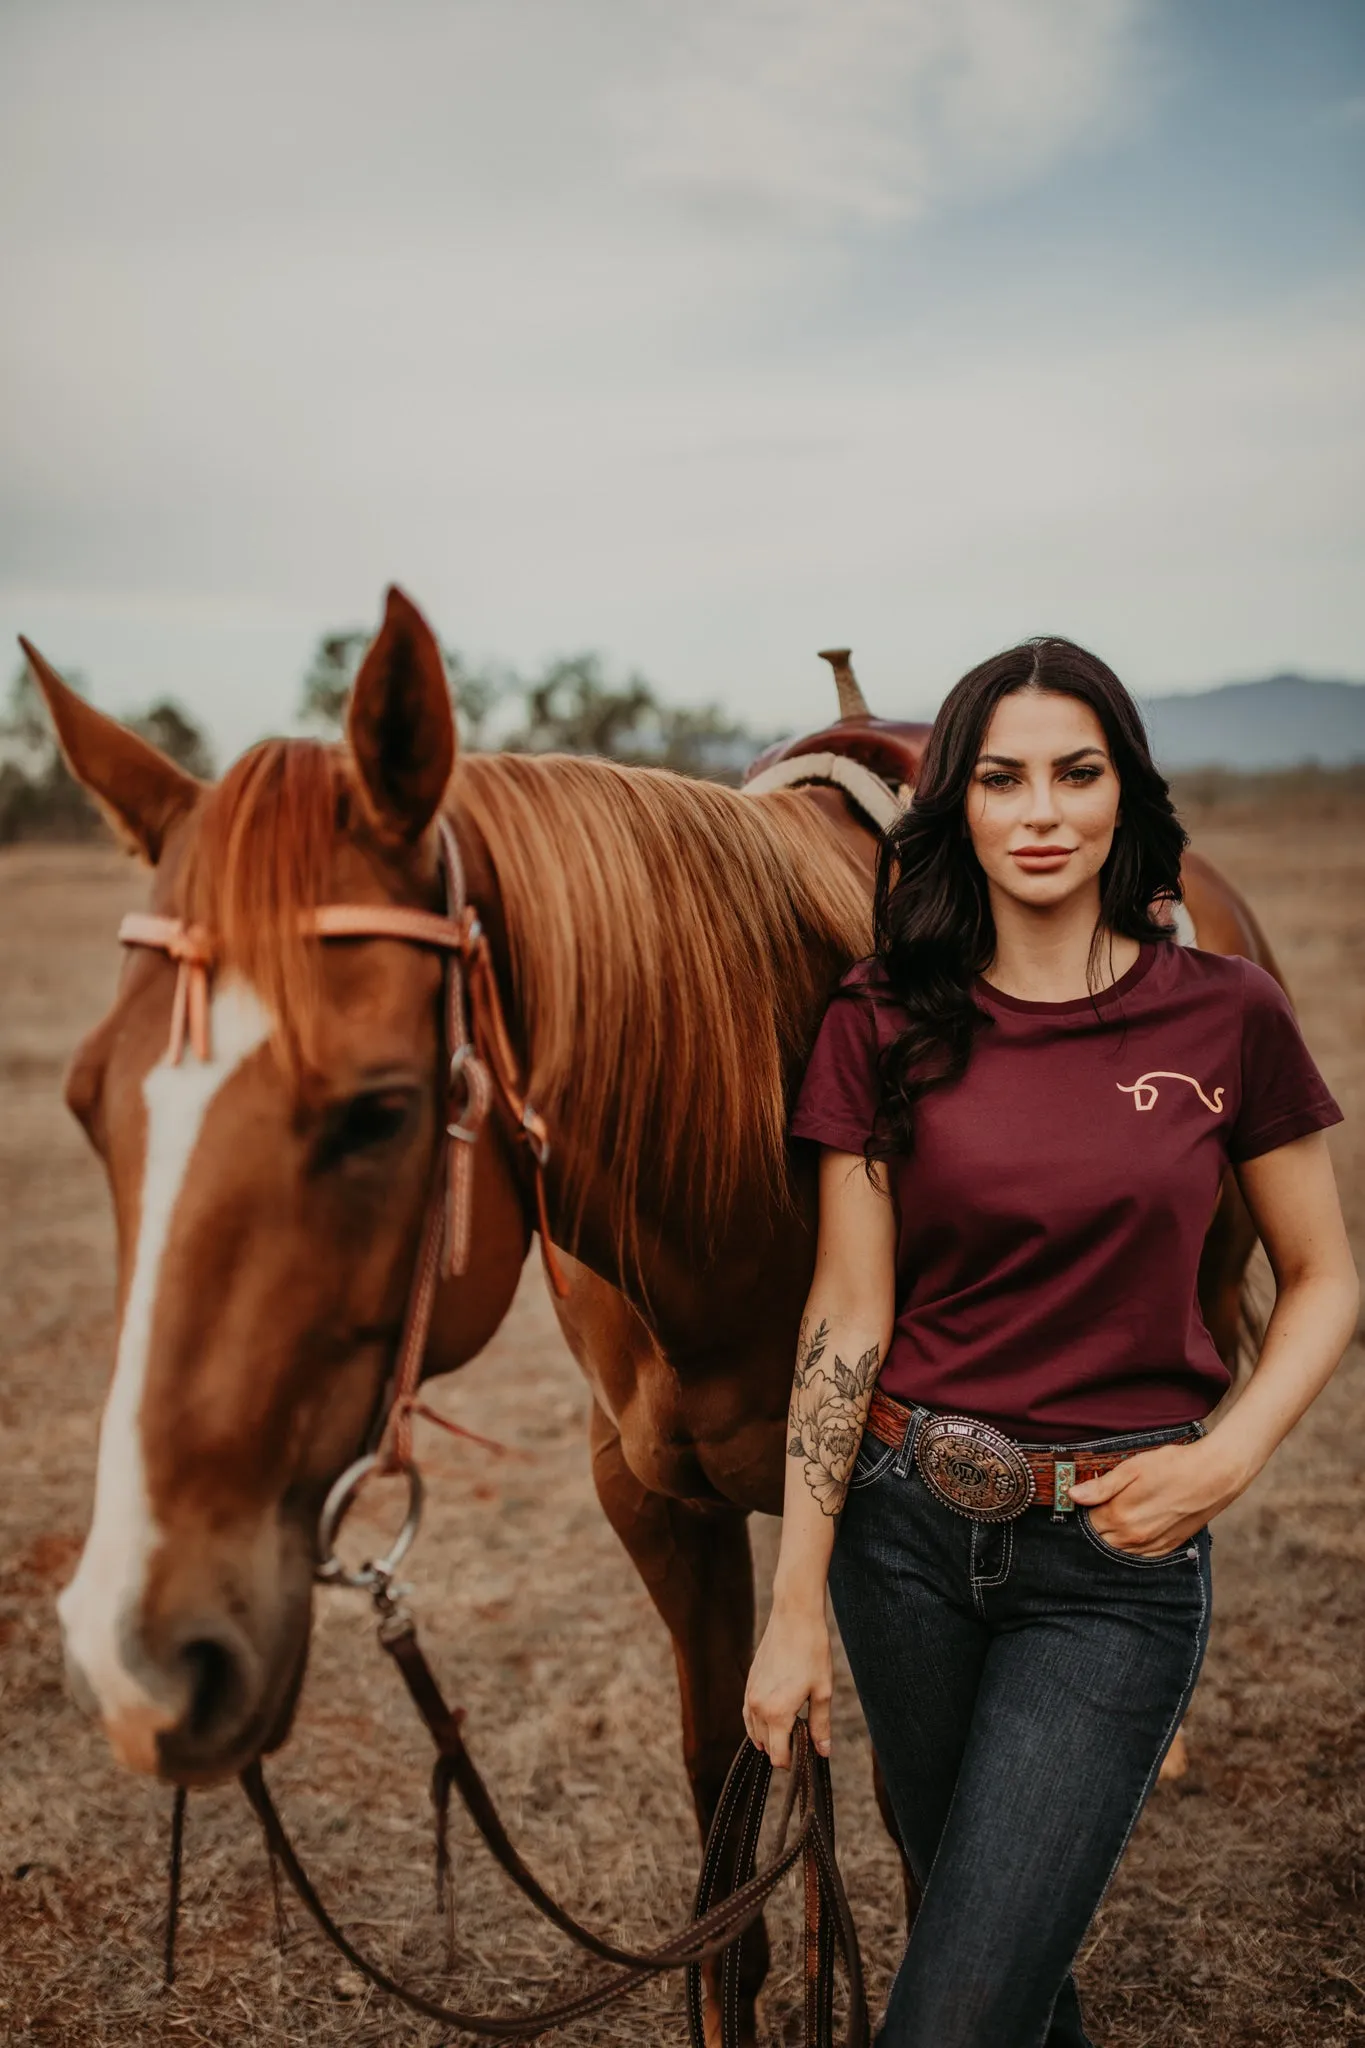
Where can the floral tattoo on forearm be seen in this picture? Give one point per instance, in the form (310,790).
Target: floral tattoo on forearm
(826,1415)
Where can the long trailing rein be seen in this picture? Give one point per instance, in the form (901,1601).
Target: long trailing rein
(717,1922)
(480,1061)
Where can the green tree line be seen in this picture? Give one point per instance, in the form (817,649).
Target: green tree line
(572,706)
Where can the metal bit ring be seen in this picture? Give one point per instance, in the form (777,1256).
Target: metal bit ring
(374,1572)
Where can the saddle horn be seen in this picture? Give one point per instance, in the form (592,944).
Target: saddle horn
(852,703)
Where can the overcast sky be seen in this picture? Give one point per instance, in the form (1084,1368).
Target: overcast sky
(705,334)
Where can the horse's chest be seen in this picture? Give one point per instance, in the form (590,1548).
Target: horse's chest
(708,1429)
(690,1443)
(662,1433)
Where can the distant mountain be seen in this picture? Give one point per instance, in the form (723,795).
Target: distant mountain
(1279,723)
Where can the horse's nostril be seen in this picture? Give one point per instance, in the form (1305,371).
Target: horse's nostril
(218,1685)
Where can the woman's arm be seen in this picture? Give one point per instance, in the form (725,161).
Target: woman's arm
(1152,1502)
(845,1331)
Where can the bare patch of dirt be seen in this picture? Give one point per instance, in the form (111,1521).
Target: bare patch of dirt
(1235,1919)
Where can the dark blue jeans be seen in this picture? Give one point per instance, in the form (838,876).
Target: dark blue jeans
(1021,1683)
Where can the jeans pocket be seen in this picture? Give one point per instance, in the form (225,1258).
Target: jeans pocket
(872,1460)
(1188,1549)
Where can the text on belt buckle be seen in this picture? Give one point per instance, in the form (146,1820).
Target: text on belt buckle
(973,1469)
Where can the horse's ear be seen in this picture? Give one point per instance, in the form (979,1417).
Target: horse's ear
(401,728)
(140,790)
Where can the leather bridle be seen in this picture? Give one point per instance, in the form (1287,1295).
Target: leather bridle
(479,1063)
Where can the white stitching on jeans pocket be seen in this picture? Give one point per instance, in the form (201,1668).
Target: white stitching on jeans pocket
(873,1471)
(1133,1557)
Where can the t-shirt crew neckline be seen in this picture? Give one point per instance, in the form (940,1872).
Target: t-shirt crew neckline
(996,998)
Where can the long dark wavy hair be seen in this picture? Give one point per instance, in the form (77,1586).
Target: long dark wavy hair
(933,928)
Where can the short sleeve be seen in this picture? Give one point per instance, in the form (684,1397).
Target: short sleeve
(1283,1095)
(837,1101)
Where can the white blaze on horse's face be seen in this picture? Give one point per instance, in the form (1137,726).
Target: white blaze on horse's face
(100,1609)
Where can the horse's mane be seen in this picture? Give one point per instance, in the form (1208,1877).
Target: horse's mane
(671,942)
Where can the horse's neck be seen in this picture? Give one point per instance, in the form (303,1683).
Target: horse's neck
(677,1266)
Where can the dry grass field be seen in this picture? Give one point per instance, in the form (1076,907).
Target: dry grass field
(1236,1918)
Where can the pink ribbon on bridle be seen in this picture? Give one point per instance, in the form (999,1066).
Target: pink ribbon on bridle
(191,948)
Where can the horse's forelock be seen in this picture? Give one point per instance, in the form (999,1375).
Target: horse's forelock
(262,853)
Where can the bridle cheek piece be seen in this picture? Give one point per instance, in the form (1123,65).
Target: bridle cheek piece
(481,1062)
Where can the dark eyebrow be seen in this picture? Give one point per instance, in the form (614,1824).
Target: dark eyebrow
(1062,760)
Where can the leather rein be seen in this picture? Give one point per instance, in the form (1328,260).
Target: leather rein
(480,1063)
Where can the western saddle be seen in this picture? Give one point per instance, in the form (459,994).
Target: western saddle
(874,761)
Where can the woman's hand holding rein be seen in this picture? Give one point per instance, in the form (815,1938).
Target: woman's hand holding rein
(794,1667)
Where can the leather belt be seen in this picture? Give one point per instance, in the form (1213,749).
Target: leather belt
(980,1472)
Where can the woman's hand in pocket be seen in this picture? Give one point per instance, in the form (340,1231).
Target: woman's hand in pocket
(794,1666)
(1157,1499)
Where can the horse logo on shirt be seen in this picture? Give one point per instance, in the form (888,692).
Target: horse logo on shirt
(1144,1090)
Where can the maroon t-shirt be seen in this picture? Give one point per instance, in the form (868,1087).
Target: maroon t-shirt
(1052,1213)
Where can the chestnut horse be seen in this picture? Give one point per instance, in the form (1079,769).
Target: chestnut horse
(663,949)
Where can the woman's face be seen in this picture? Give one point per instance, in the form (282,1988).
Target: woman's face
(1044,798)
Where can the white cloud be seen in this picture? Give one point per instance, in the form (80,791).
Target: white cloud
(273,269)
(868,112)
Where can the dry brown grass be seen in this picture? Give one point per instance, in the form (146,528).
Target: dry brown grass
(1235,1920)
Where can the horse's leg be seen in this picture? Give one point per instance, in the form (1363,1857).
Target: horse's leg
(697,1569)
(1222,1269)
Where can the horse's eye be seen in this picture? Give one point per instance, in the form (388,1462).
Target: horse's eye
(365,1124)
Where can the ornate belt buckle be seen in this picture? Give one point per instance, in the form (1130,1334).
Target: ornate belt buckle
(973,1469)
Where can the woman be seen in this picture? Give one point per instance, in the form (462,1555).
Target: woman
(1026,1102)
